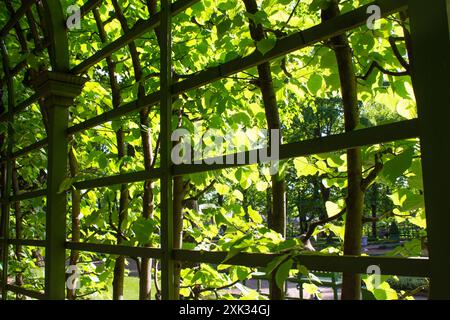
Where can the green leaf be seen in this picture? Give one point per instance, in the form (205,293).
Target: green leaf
(65,185)
(222,189)
(310,288)
(102,161)
(305,168)
(319,5)
(272,265)
(283,272)
(303,270)
(315,83)
(288,244)
(143,229)
(332,208)
(238,195)
(261,186)
(266,45)
(227,5)
(241,117)
(398,165)
(254,215)
(242,272)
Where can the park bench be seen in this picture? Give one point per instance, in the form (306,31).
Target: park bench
(323,279)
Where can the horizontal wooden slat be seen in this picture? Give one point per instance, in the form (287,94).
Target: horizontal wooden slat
(118,179)
(35,146)
(29,195)
(21,106)
(418,267)
(25,292)
(115,249)
(134,106)
(380,134)
(26,242)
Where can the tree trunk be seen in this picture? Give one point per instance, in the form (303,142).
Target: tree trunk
(179,189)
(351,287)
(147,207)
(2,173)
(179,192)
(18,217)
(277,216)
(374,210)
(119,268)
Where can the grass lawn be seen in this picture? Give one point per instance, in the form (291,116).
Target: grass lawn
(131,289)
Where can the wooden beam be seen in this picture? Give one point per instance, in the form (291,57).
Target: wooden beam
(120,250)
(418,267)
(381,134)
(131,177)
(430,33)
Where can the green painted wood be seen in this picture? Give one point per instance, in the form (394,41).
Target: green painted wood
(56,203)
(59,44)
(60,89)
(28,242)
(380,134)
(418,267)
(431,129)
(26,292)
(31,148)
(6,205)
(370,136)
(118,179)
(21,106)
(28,195)
(24,151)
(431,77)
(128,108)
(154,253)
(167,264)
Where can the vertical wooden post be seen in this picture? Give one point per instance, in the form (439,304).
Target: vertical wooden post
(58,91)
(430,32)
(167,263)
(6,206)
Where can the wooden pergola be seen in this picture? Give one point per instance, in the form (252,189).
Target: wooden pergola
(430,30)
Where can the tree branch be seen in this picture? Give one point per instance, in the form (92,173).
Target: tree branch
(366,182)
(393,41)
(314,225)
(376,65)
